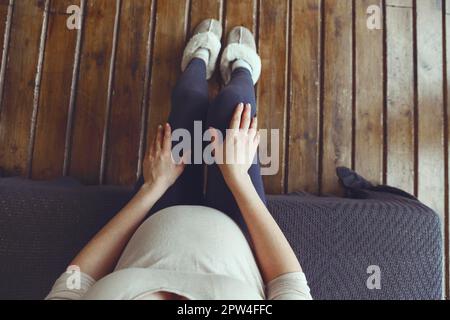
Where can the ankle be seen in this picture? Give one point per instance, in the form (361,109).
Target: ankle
(203,54)
(241,64)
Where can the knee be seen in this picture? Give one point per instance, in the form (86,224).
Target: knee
(229,98)
(189,95)
(222,110)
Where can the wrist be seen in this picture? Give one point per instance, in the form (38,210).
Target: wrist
(240,181)
(152,190)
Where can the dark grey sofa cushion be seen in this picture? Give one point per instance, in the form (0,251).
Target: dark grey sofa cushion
(337,240)
(44,225)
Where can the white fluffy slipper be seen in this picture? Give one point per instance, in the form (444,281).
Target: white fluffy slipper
(241,46)
(206,36)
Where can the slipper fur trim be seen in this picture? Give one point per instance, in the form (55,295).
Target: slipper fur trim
(235,51)
(207,40)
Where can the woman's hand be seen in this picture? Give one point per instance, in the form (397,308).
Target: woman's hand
(160,170)
(237,153)
(101,254)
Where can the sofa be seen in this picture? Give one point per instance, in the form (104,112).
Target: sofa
(375,243)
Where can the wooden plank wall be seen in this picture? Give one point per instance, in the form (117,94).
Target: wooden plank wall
(85,102)
(59,59)
(337,103)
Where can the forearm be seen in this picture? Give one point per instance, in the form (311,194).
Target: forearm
(274,253)
(100,255)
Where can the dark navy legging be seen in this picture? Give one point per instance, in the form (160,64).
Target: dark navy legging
(190,103)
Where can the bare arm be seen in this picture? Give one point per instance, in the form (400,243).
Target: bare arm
(274,254)
(101,254)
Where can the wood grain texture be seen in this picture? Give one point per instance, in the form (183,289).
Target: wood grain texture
(430,105)
(55,91)
(400,94)
(369,95)
(240,13)
(4,5)
(272,104)
(304,114)
(205,9)
(92,91)
(16,107)
(337,105)
(122,148)
(170,35)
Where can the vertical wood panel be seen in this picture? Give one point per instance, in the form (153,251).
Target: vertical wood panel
(204,9)
(128,92)
(170,35)
(16,108)
(272,103)
(430,104)
(304,114)
(240,13)
(4,6)
(400,94)
(337,106)
(369,95)
(49,146)
(92,91)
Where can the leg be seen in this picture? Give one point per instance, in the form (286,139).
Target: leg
(190,103)
(218,195)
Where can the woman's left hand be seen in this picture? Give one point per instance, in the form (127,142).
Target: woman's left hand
(237,153)
(160,170)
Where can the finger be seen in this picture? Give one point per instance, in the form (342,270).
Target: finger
(237,116)
(151,145)
(149,149)
(246,117)
(254,124)
(253,128)
(167,139)
(183,162)
(158,139)
(257,138)
(180,168)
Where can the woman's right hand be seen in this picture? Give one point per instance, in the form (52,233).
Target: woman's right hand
(159,169)
(236,154)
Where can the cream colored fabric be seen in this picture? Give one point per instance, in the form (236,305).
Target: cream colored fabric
(195,252)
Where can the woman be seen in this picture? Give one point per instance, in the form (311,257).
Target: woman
(194,245)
